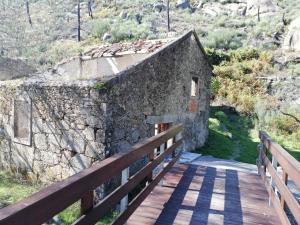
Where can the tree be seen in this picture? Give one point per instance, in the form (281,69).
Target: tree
(90,8)
(28,12)
(78,21)
(168,14)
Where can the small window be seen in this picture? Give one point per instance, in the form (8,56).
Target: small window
(161,127)
(194,87)
(22,121)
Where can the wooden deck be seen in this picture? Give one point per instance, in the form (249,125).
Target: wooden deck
(196,194)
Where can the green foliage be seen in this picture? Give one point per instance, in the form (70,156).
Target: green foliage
(243,54)
(99,27)
(223,39)
(236,75)
(129,30)
(216,56)
(62,50)
(215,86)
(295,67)
(100,86)
(14,188)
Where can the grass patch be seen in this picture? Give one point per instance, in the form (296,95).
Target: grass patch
(232,136)
(15,188)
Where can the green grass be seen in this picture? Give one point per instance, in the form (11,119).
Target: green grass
(15,188)
(231,136)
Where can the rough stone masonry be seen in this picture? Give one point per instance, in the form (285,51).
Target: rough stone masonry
(55,124)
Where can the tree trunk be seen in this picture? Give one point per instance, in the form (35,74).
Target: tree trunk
(168,14)
(28,12)
(90,9)
(78,20)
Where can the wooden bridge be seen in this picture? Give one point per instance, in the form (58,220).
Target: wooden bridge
(206,191)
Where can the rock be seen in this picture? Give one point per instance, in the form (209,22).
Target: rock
(217,9)
(264,6)
(80,162)
(183,4)
(160,6)
(107,37)
(138,18)
(292,39)
(40,141)
(95,150)
(200,5)
(123,15)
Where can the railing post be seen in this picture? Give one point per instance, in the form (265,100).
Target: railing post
(259,160)
(285,180)
(151,158)
(161,166)
(124,179)
(272,184)
(87,202)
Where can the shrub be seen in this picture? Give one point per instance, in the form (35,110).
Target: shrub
(63,50)
(99,27)
(215,86)
(223,39)
(242,54)
(215,57)
(127,30)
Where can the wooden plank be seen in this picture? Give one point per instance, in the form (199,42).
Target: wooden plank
(181,204)
(55,198)
(284,191)
(285,180)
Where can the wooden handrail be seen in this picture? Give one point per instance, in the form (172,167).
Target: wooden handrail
(50,201)
(276,184)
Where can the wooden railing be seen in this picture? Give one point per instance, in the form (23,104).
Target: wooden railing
(279,192)
(47,203)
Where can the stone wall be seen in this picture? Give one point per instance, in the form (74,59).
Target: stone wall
(67,130)
(158,90)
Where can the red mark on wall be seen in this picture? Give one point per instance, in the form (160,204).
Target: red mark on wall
(193,105)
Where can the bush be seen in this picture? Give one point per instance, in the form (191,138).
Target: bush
(63,50)
(235,81)
(215,57)
(215,86)
(99,27)
(242,54)
(223,39)
(129,30)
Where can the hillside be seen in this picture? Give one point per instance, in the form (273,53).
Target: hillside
(254,45)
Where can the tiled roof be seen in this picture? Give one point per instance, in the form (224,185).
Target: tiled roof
(117,49)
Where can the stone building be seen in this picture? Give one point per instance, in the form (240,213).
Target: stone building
(54,124)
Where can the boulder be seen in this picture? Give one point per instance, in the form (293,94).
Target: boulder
(123,15)
(159,7)
(265,7)
(183,4)
(218,9)
(138,18)
(292,39)
(107,37)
